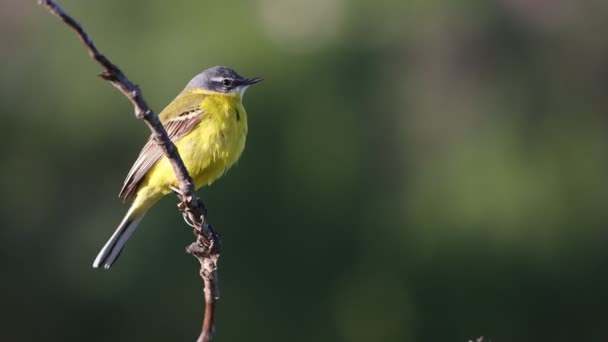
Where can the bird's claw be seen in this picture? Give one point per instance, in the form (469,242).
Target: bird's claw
(185,215)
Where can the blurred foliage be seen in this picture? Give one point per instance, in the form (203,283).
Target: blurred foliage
(415,171)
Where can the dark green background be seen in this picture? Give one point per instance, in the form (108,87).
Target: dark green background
(414,171)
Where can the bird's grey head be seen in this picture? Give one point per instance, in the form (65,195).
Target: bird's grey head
(222,80)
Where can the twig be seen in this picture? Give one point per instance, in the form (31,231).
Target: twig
(206,248)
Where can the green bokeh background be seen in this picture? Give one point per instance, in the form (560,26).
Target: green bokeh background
(414,171)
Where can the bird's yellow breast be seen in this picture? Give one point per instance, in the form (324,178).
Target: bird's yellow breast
(211,148)
(217,142)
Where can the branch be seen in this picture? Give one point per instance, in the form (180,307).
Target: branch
(206,248)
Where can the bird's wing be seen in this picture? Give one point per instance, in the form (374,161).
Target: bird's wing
(177,124)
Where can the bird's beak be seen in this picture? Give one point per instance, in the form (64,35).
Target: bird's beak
(250,81)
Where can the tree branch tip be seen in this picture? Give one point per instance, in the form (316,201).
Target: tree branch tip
(53,7)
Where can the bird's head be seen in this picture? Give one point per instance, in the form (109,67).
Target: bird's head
(223,80)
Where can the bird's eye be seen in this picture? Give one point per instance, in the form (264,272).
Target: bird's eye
(226,82)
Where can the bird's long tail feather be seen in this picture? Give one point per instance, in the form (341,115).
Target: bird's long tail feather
(111,250)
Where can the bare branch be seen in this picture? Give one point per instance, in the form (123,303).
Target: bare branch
(206,248)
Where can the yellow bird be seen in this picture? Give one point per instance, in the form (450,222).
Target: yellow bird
(208,124)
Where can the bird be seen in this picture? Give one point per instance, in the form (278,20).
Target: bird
(208,124)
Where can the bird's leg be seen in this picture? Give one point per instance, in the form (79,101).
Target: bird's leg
(183,206)
(176,190)
(185,211)
(207,236)
(186,215)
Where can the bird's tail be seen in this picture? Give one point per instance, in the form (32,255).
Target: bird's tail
(111,250)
